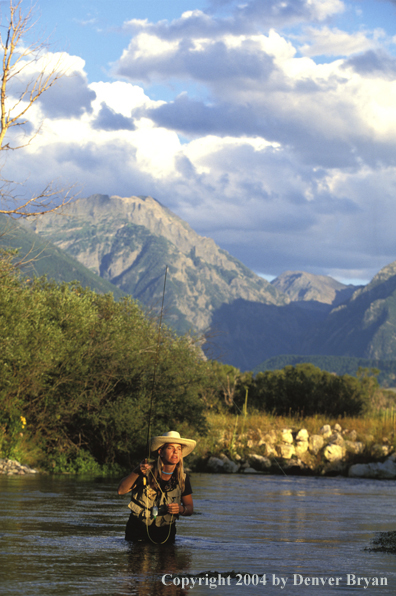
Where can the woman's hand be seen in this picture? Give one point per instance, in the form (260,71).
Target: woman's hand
(174,508)
(128,482)
(185,508)
(144,467)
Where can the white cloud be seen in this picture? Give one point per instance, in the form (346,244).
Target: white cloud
(334,42)
(276,156)
(121,97)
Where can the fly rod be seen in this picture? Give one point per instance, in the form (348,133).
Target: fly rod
(155,365)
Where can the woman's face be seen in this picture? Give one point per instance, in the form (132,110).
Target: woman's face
(171,453)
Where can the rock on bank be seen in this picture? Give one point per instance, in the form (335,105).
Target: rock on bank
(332,451)
(11,467)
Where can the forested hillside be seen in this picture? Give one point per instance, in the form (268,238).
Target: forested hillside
(37,256)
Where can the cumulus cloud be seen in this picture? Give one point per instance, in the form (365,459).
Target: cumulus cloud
(260,84)
(69,98)
(241,18)
(373,63)
(108,119)
(334,42)
(274,154)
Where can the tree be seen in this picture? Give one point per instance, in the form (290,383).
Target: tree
(77,367)
(27,73)
(305,389)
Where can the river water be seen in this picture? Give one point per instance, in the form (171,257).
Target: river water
(288,535)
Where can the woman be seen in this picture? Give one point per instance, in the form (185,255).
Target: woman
(160,493)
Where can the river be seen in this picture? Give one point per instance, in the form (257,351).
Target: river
(64,535)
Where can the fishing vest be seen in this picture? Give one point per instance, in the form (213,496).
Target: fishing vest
(144,498)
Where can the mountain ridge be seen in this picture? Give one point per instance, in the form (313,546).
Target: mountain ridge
(302,286)
(39,258)
(130,240)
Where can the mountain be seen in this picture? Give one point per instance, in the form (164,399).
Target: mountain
(300,286)
(129,241)
(365,326)
(253,332)
(247,333)
(40,257)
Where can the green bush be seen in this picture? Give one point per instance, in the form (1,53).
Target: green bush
(79,367)
(306,390)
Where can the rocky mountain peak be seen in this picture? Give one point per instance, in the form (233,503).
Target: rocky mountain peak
(130,240)
(380,283)
(303,286)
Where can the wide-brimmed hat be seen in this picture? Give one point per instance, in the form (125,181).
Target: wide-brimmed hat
(173,437)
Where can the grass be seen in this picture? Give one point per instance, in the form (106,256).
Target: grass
(231,434)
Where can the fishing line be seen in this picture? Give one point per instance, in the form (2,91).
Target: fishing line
(272,455)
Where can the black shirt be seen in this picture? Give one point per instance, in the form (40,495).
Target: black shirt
(166,485)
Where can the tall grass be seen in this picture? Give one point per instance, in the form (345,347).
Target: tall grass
(230,433)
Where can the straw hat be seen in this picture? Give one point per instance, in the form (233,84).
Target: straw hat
(173,437)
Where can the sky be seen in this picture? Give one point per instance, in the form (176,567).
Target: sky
(267,125)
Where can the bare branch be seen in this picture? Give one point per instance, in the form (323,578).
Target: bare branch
(49,200)
(36,73)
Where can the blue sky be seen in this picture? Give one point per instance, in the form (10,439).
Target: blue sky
(269,126)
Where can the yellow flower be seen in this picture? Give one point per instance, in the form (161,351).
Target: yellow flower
(23,420)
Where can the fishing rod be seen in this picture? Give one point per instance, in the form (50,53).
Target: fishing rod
(155,365)
(150,411)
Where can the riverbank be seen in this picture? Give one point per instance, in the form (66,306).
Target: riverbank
(266,444)
(311,446)
(11,467)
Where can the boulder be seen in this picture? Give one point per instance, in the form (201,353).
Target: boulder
(334,468)
(259,462)
(268,449)
(229,466)
(315,443)
(354,447)
(334,452)
(351,436)
(302,435)
(301,447)
(270,437)
(380,450)
(287,436)
(325,431)
(296,467)
(215,464)
(336,439)
(250,471)
(222,464)
(286,450)
(382,470)
(337,428)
